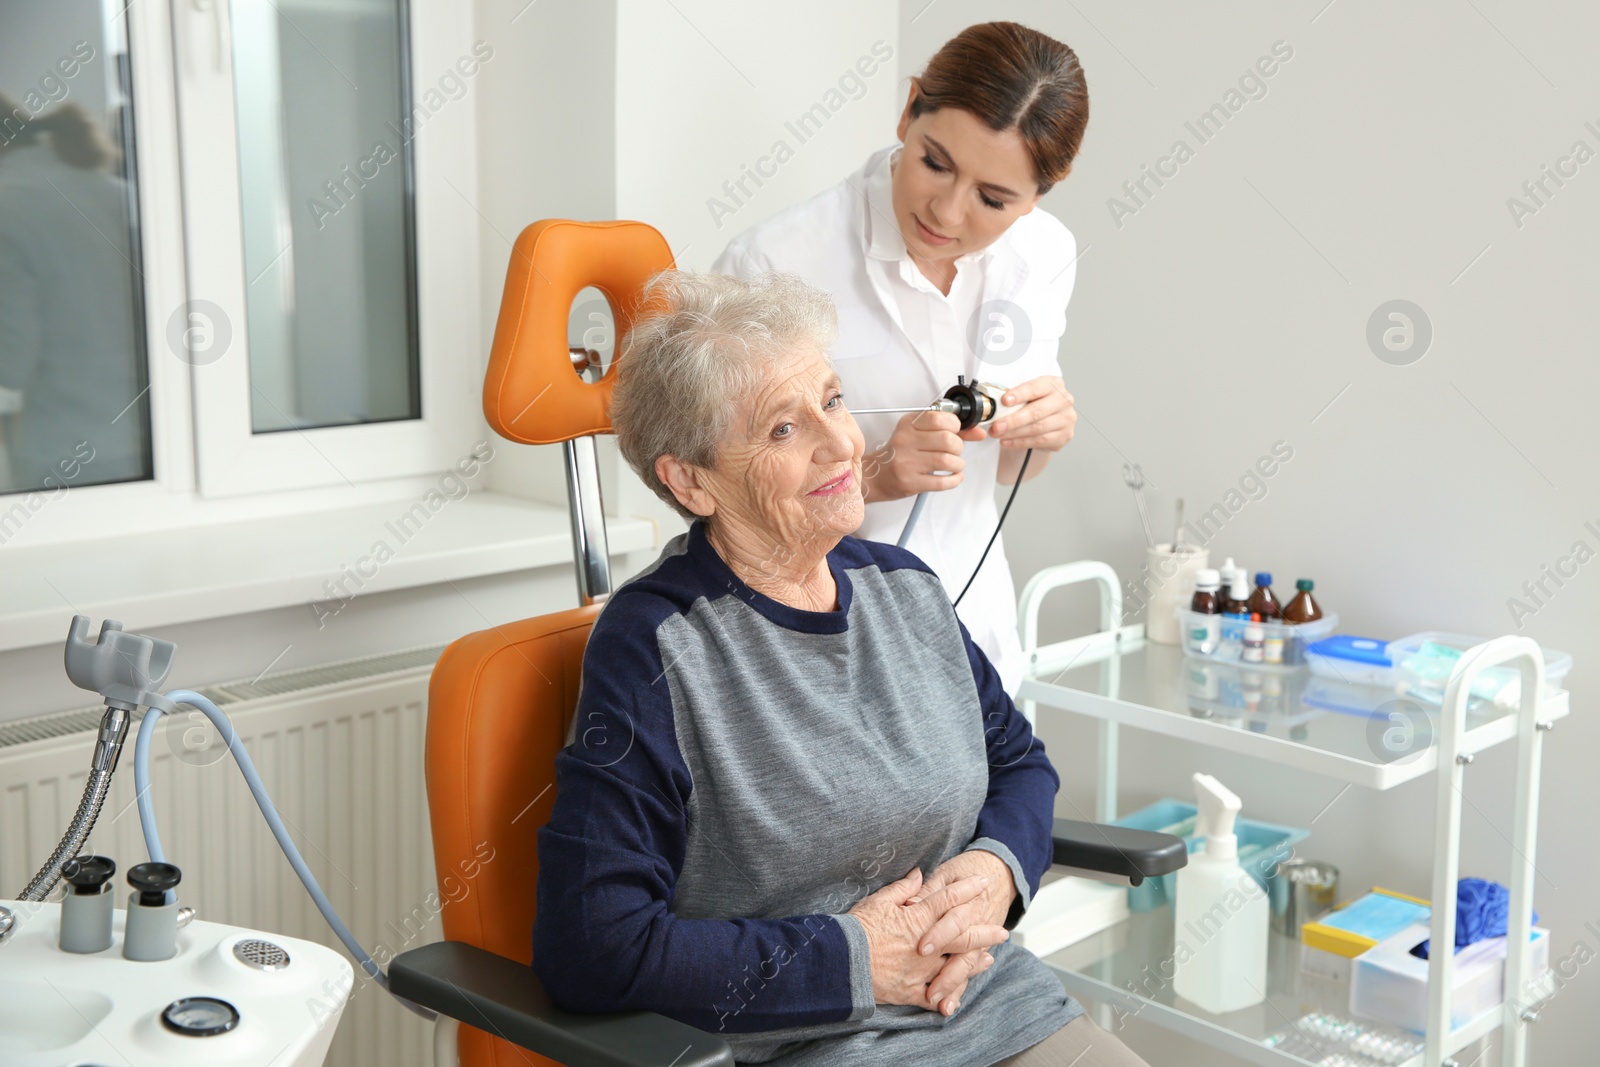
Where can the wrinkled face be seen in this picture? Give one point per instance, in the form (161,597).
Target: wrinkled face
(789,470)
(959,185)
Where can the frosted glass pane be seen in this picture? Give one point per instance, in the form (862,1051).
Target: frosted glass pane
(74,404)
(325,177)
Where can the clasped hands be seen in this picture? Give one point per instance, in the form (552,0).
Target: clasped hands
(929,938)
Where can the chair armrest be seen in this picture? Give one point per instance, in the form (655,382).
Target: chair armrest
(504,997)
(1117,851)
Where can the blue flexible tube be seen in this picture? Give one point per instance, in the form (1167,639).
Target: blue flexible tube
(152,839)
(911,521)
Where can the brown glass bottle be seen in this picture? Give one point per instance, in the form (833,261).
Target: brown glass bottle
(1262,602)
(1236,597)
(1303,608)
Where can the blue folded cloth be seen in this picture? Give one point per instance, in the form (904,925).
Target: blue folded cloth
(1482,908)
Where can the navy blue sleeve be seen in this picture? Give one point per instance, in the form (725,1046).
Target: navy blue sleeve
(605,938)
(1016,817)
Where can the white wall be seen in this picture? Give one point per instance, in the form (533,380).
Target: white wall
(1227,313)
(546,149)
(706,92)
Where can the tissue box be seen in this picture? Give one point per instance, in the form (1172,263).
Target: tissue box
(1389,984)
(1328,944)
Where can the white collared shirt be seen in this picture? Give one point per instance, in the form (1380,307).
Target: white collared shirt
(903,343)
(933,322)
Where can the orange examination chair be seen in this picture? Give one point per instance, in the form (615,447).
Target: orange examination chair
(501,702)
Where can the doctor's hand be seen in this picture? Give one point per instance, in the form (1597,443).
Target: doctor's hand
(922,442)
(895,928)
(1044,419)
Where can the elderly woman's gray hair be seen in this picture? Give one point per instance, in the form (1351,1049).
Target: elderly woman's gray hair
(687,369)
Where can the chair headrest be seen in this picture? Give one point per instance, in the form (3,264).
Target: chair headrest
(531,393)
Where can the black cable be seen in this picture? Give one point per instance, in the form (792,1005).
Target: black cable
(995,536)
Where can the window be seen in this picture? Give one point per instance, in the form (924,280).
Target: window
(273,288)
(73,364)
(325,187)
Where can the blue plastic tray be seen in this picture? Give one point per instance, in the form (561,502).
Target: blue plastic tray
(1262,846)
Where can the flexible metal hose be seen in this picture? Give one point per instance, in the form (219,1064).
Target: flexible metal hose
(113,730)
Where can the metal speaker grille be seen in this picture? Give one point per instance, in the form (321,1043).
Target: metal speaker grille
(262,955)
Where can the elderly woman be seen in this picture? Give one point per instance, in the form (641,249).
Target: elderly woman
(776,723)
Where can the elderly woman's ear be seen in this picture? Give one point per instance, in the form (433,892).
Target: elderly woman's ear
(686,484)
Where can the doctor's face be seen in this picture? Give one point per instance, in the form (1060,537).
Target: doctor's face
(789,471)
(959,185)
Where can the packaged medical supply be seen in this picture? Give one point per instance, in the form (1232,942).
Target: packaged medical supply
(1390,984)
(1346,658)
(1325,1038)
(1329,944)
(1424,662)
(1221,914)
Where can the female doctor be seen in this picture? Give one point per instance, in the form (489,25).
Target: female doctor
(941,267)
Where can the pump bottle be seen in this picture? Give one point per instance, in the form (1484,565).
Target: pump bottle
(1220,948)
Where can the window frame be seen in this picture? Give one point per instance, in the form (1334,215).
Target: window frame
(207,465)
(230,458)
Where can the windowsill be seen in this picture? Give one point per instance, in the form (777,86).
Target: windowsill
(177,576)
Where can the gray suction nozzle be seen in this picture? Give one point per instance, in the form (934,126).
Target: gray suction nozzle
(125,669)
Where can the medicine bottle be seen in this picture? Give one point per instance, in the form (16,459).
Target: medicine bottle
(1262,602)
(1302,608)
(1203,628)
(1254,650)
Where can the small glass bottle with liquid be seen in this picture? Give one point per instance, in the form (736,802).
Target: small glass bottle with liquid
(1203,632)
(1262,602)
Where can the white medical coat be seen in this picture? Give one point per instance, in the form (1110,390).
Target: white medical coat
(902,344)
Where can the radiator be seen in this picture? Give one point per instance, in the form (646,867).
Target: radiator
(340,749)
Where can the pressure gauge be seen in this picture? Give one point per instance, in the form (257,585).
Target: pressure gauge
(200,1016)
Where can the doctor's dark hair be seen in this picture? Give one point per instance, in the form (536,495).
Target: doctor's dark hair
(693,361)
(1012,77)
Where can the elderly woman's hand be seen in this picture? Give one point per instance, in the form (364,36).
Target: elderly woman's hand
(989,908)
(895,927)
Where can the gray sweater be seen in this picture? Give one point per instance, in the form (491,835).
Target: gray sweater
(743,772)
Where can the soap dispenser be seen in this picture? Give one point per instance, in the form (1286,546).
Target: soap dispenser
(1222,913)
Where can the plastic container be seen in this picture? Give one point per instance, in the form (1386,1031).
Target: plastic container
(1262,846)
(1346,698)
(1389,984)
(1231,648)
(1427,681)
(1219,915)
(1346,658)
